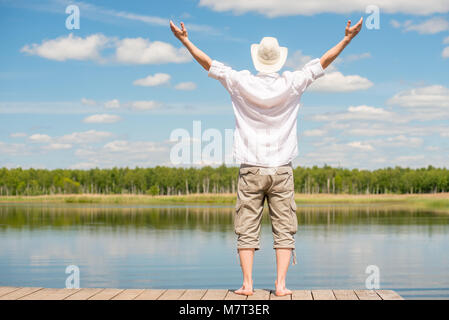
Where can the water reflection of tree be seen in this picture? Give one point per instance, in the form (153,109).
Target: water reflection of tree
(202,218)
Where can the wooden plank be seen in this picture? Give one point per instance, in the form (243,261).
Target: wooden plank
(345,295)
(128,294)
(275,297)
(260,294)
(172,294)
(61,294)
(389,295)
(37,293)
(323,295)
(193,294)
(22,292)
(302,295)
(6,290)
(231,295)
(50,294)
(215,294)
(150,294)
(106,294)
(84,294)
(367,295)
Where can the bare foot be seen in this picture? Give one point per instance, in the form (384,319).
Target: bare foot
(281,290)
(247,291)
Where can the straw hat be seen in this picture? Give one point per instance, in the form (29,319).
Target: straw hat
(267,56)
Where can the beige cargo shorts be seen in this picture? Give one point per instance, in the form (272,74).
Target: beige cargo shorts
(277,186)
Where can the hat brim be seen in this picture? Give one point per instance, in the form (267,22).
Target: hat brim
(268,68)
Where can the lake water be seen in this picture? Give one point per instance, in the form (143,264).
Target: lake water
(195,247)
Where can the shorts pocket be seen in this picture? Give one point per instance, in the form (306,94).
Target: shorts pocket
(285,181)
(237,217)
(247,178)
(293,216)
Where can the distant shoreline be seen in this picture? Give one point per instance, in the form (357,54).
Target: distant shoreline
(431,201)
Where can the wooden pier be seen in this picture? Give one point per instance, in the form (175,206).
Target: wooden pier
(36,293)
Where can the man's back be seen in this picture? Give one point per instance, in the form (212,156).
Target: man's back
(266,107)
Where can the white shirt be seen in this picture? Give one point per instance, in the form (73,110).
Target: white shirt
(266,108)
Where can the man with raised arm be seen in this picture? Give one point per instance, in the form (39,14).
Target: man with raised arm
(266,107)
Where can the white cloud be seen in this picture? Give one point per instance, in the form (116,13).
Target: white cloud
(88,102)
(446,40)
(13,149)
(66,141)
(128,50)
(40,138)
(431,96)
(362,112)
(142,51)
(164,22)
(367,110)
(382,129)
(431,26)
(337,82)
(123,153)
(360,145)
(90,136)
(18,135)
(410,160)
(445,53)
(102,118)
(309,7)
(133,147)
(47,107)
(355,57)
(399,149)
(185,86)
(108,15)
(57,146)
(83,165)
(359,156)
(153,80)
(315,133)
(144,105)
(112,104)
(368,121)
(398,141)
(395,23)
(146,19)
(356,154)
(333,81)
(69,48)
(297,60)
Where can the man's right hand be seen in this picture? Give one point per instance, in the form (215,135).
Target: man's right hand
(351,32)
(332,54)
(181,34)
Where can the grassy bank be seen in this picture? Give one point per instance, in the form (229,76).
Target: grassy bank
(431,201)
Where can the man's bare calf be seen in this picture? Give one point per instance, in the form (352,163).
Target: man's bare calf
(246,261)
(282,262)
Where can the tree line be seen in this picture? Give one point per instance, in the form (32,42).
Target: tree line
(173,181)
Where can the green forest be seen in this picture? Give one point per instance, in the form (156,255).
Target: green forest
(173,181)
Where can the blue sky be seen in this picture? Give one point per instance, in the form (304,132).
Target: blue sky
(111,93)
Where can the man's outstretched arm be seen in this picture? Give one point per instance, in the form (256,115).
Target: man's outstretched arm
(202,58)
(350,33)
